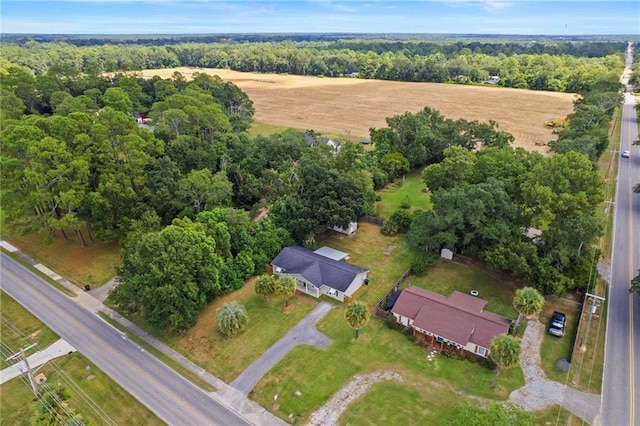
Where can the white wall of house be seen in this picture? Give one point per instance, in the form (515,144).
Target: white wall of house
(357,282)
(406,321)
(302,285)
(332,292)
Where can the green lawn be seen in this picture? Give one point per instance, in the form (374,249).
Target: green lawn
(265,129)
(19,329)
(554,348)
(393,195)
(16,396)
(318,374)
(399,403)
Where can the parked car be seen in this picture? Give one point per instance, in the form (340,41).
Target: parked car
(625,154)
(558,320)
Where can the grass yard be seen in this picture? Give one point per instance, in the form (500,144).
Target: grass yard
(445,277)
(555,415)
(351,106)
(318,374)
(228,357)
(265,129)
(400,403)
(386,258)
(394,194)
(19,328)
(94,264)
(16,396)
(554,348)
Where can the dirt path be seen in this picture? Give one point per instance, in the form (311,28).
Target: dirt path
(330,413)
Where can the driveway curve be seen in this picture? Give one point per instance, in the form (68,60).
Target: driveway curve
(539,392)
(304,333)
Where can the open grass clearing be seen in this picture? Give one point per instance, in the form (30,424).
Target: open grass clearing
(16,396)
(351,106)
(408,188)
(419,404)
(93,264)
(317,374)
(394,403)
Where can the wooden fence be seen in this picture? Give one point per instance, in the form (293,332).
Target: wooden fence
(381,306)
(376,220)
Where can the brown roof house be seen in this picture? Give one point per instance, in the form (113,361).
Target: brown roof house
(457,324)
(320,272)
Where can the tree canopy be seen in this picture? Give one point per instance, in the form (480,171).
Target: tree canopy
(169,275)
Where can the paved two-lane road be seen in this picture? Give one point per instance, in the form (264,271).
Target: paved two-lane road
(621,387)
(172,398)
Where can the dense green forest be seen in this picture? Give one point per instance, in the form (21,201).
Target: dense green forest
(565,66)
(179,191)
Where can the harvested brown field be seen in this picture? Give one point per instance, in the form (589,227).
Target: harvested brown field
(350,106)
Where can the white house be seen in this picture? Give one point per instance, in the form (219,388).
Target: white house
(316,274)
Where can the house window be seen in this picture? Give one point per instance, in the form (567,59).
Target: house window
(481,351)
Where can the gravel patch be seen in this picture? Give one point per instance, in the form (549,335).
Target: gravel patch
(330,413)
(539,392)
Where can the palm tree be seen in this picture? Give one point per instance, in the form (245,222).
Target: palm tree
(505,352)
(286,287)
(527,301)
(265,286)
(232,318)
(357,315)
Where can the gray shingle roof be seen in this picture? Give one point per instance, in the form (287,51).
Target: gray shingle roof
(315,268)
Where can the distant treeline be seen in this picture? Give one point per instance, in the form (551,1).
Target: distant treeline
(165,39)
(555,66)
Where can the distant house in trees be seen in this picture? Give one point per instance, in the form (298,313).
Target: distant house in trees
(140,118)
(493,79)
(318,273)
(312,140)
(457,324)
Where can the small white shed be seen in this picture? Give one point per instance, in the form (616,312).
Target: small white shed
(351,230)
(446,254)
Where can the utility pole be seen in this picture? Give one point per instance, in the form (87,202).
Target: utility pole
(595,300)
(22,354)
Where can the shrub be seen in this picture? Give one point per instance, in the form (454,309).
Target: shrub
(422,263)
(406,203)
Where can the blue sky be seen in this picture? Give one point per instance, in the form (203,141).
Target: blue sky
(356,16)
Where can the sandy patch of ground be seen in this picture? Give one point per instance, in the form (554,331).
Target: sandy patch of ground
(351,106)
(330,413)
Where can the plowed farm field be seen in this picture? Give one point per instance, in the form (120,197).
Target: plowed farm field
(351,106)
